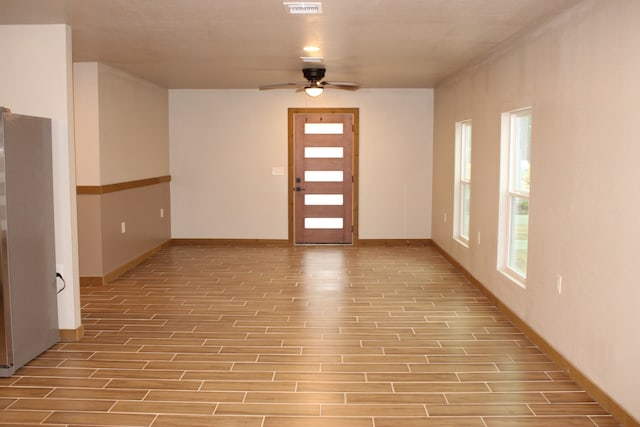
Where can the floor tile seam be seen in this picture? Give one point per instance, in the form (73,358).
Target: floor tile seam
(112,412)
(591,418)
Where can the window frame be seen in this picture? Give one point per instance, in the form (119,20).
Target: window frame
(511,176)
(462,181)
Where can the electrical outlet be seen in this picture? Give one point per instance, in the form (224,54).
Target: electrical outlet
(559,284)
(478,238)
(161,213)
(123,227)
(445,217)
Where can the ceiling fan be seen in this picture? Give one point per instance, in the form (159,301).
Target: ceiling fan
(314,84)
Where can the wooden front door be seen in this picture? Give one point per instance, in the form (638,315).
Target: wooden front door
(323,177)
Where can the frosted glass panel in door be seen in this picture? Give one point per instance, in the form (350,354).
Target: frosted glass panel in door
(324,223)
(323,128)
(323,199)
(323,152)
(324,176)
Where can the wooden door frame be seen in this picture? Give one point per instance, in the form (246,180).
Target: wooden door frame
(291,161)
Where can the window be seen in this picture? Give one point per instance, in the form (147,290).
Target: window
(462,190)
(514,204)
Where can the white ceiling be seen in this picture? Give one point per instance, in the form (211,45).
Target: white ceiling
(248,43)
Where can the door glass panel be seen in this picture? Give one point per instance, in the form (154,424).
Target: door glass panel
(324,223)
(323,128)
(324,176)
(323,199)
(323,152)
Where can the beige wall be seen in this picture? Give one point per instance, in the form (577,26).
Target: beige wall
(103,246)
(224,144)
(580,74)
(139,208)
(122,135)
(35,79)
(90,235)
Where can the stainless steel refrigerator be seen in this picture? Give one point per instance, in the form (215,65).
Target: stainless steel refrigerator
(28,288)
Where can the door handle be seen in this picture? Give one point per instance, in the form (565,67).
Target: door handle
(298,189)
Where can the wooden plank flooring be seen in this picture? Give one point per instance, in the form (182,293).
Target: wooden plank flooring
(307,336)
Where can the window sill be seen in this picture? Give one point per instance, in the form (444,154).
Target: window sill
(462,242)
(514,277)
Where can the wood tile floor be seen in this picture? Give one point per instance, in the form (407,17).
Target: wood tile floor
(295,337)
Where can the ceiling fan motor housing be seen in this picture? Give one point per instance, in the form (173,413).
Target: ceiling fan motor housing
(313,74)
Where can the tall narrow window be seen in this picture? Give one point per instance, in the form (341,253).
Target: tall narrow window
(462,191)
(514,205)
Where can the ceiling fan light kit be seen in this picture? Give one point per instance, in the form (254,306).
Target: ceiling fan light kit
(314,86)
(313,91)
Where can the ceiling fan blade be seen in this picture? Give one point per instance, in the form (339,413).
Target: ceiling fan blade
(342,85)
(282,85)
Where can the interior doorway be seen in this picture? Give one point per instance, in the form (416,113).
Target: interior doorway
(323,175)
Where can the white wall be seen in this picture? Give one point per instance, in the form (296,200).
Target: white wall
(224,144)
(580,75)
(122,126)
(87,122)
(35,79)
(134,135)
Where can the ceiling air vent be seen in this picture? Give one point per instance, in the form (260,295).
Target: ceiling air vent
(312,59)
(303,8)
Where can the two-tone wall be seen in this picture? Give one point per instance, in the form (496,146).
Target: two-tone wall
(580,73)
(122,153)
(225,145)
